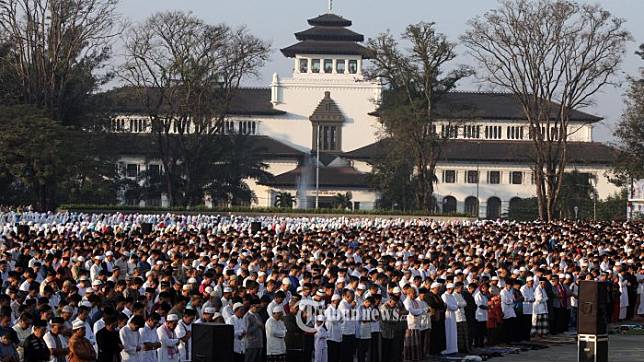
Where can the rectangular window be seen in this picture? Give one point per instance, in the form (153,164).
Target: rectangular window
(332,138)
(516,177)
(340,66)
(315,65)
(494,177)
(328,65)
(353,66)
(132,170)
(304,65)
(472,177)
(449,176)
(154,172)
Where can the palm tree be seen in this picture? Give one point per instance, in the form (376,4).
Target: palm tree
(343,201)
(284,200)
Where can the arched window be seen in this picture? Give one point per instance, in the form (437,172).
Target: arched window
(514,202)
(449,204)
(472,206)
(493,210)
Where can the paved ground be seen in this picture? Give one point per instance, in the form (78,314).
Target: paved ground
(620,349)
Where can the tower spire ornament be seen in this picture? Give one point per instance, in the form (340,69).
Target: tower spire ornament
(330,10)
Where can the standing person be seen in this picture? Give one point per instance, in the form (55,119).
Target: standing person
(424,323)
(239,326)
(334,327)
(390,325)
(412,345)
(131,339)
(108,341)
(34,347)
(183,329)
(169,351)
(363,332)
(8,352)
(527,291)
(150,339)
(55,341)
(509,315)
(540,309)
(254,332)
(573,288)
(451,306)
(321,336)
(481,299)
(462,336)
(275,334)
(80,349)
(437,306)
(347,308)
(470,313)
(559,305)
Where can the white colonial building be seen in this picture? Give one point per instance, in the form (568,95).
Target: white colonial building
(327,103)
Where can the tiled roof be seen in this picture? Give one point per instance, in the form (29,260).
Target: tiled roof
(498,151)
(246,101)
(329,20)
(329,33)
(491,105)
(133,144)
(329,177)
(327,110)
(326,47)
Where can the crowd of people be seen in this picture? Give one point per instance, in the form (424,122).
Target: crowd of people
(99,287)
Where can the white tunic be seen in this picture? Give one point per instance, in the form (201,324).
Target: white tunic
(275,333)
(540,305)
(507,303)
(185,349)
(321,352)
(131,340)
(148,335)
(169,342)
(239,326)
(640,291)
(450,323)
(333,323)
(481,301)
(528,298)
(51,343)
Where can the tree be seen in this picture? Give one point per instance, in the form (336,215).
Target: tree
(56,51)
(576,191)
(284,200)
(548,51)
(225,178)
(630,131)
(186,73)
(416,79)
(343,201)
(392,176)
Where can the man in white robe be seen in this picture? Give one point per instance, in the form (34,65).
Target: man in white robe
(150,339)
(184,327)
(169,351)
(527,291)
(239,326)
(131,339)
(450,320)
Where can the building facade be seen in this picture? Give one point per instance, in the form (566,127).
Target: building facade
(319,127)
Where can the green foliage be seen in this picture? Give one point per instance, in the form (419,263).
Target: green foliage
(343,201)
(284,200)
(248,210)
(524,210)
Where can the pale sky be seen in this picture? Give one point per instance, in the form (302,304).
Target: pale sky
(277,20)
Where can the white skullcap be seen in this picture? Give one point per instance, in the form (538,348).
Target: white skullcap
(450,286)
(278,309)
(228,290)
(435,285)
(78,324)
(192,281)
(320,318)
(396,290)
(209,310)
(237,306)
(286,281)
(172,318)
(68,309)
(495,278)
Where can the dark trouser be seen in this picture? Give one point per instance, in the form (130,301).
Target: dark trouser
(253,355)
(294,355)
(238,357)
(375,352)
(509,329)
(347,347)
(560,320)
(387,345)
(363,350)
(472,326)
(526,326)
(437,333)
(333,350)
(480,334)
(309,345)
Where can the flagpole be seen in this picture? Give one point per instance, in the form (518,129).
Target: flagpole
(317,169)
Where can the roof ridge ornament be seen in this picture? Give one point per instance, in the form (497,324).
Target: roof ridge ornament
(330,9)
